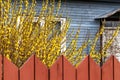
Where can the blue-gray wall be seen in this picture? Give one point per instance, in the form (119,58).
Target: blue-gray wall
(83,16)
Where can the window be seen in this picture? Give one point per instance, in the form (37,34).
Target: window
(60,22)
(111,21)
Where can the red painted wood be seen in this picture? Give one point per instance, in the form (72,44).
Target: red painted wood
(56,70)
(116,69)
(95,72)
(0,67)
(82,70)
(27,70)
(69,70)
(10,70)
(107,69)
(41,71)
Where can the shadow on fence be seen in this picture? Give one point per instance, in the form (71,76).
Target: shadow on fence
(62,69)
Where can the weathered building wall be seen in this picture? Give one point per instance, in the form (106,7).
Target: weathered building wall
(83,16)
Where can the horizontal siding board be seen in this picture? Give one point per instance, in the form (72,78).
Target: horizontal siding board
(97,4)
(82,29)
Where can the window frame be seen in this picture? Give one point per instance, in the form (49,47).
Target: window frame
(62,21)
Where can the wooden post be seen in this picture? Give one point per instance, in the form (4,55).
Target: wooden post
(102,23)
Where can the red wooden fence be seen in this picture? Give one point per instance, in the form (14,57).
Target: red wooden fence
(62,69)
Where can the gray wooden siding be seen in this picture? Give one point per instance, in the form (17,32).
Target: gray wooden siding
(83,16)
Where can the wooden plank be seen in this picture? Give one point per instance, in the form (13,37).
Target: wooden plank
(41,71)
(56,70)
(116,69)
(69,70)
(107,69)
(10,70)
(82,70)
(95,70)
(27,69)
(0,67)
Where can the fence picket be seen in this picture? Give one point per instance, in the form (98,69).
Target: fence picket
(41,71)
(82,70)
(69,70)
(107,69)
(95,70)
(27,69)
(56,70)
(0,67)
(10,70)
(116,69)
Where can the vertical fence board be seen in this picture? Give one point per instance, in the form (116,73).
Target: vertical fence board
(41,71)
(95,72)
(27,69)
(107,69)
(69,70)
(0,67)
(82,70)
(116,69)
(10,70)
(56,70)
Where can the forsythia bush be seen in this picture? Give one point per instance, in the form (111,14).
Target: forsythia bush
(23,34)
